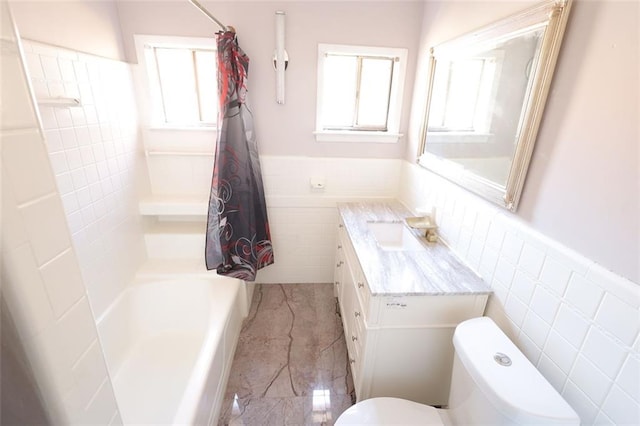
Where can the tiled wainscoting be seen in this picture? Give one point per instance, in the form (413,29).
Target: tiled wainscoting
(577,322)
(303,220)
(96,157)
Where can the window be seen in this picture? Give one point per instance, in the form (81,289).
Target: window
(463,95)
(359,93)
(182,79)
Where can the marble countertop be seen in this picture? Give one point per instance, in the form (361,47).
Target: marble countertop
(432,271)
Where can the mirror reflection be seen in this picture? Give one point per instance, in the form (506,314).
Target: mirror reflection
(477,102)
(487,92)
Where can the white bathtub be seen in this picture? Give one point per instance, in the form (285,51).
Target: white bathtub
(169,346)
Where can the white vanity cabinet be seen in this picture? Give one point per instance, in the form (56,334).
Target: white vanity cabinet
(399,345)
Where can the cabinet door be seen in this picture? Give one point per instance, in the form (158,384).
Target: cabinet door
(360,283)
(338,274)
(412,363)
(350,315)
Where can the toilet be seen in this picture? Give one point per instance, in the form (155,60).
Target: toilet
(492,383)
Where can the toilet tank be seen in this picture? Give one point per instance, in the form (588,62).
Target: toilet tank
(494,383)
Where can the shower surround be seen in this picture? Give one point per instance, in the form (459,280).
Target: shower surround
(70,203)
(96,156)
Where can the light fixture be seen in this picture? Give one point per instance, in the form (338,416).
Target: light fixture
(280,57)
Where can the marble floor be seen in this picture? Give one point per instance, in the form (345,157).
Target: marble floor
(290,365)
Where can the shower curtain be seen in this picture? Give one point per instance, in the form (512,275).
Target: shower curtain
(238,241)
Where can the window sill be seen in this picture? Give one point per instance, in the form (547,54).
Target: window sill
(458,137)
(356,136)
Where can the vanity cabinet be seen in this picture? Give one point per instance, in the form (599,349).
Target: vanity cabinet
(399,345)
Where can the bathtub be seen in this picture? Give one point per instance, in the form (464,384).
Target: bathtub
(169,345)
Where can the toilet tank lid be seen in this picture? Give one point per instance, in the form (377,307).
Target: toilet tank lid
(519,391)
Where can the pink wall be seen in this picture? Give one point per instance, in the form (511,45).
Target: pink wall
(287,129)
(583,183)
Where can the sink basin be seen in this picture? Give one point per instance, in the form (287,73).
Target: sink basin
(394,236)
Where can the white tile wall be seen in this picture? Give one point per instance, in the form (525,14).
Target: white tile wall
(303,244)
(96,155)
(577,322)
(18,115)
(63,282)
(302,220)
(28,181)
(180,175)
(41,278)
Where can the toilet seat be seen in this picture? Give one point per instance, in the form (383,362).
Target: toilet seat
(389,411)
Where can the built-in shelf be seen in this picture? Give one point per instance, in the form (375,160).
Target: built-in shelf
(196,206)
(60,102)
(167,205)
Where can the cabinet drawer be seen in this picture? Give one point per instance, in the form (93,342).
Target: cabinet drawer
(358,322)
(338,273)
(355,349)
(349,251)
(430,310)
(355,364)
(364,296)
(356,334)
(357,277)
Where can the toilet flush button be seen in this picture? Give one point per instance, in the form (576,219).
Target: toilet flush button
(502,359)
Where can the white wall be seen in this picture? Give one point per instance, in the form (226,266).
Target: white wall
(89,26)
(287,129)
(583,186)
(41,279)
(96,156)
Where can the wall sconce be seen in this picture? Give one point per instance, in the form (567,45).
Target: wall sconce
(280,57)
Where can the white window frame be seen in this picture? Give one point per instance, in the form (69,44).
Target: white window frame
(152,115)
(476,134)
(392,134)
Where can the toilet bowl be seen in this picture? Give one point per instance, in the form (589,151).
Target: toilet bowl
(492,383)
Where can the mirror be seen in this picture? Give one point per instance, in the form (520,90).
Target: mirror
(487,91)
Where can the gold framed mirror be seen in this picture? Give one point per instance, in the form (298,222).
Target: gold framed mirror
(487,92)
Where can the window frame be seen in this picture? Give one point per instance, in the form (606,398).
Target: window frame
(364,134)
(153,113)
(480,134)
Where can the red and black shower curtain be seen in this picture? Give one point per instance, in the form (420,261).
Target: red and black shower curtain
(238,241)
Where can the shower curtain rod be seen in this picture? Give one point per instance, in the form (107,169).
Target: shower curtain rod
(209,15)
